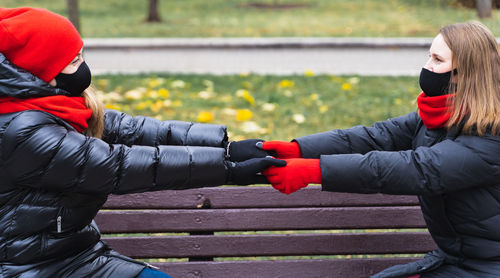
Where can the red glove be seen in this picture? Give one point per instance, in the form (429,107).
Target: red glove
(283,149)
(297,173)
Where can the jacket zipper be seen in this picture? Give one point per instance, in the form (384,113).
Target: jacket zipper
(152,266)
(134,261)
(59,220)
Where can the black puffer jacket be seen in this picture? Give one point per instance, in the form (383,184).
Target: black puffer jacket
(53,180)
(457,178)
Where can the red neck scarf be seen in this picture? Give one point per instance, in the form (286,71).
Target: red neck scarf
(71,109)
(434,111)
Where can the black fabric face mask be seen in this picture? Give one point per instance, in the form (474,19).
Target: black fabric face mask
(75,83)
(435,84)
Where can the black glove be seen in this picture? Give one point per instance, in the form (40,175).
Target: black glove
(245,149)
(249,171)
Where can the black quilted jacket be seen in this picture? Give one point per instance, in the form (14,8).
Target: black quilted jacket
(457,179)
(53,180)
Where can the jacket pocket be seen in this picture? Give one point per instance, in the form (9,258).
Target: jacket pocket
(58,231)
(43,243)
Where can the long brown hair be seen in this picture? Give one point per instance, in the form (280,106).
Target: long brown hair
(476,57)
(96,121)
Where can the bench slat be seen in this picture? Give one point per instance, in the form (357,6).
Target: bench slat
(272,245)
(258,219)
(352,268)
(251,197)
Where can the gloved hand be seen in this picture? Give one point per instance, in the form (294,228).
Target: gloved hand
(244,149)
(297,174)
(249,171)
(282,149)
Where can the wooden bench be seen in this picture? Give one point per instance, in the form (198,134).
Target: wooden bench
(323,220)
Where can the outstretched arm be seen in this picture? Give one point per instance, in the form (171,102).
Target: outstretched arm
(121,128)
(45,154)
(449,166)
(391,135)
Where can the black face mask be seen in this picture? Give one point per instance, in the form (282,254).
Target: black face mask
(435,84)
(75,83)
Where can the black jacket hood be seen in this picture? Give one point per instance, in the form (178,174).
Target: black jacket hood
(18,83)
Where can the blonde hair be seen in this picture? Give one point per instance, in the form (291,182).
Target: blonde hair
(96,121)
(476,57)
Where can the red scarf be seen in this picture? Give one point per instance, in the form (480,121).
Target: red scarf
(71,109)
(434,111)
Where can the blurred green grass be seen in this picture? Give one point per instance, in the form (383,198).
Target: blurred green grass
(262,106)
(224,18)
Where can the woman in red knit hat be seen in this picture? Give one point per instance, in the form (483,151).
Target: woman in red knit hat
(447,153)
(61,155)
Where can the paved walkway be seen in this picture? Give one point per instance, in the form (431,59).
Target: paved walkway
(363,56)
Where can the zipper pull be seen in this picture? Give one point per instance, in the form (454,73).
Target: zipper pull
(152,266)
(59,223)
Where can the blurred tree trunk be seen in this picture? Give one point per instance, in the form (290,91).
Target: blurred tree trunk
(153,14)
(484,8)
(73,13)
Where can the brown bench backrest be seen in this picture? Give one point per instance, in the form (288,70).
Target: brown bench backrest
(203,215)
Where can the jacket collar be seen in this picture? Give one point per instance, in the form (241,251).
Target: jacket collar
(18,83)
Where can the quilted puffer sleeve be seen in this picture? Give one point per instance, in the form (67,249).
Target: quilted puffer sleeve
(121,128)
(38,151)
(390,135)
(448,166)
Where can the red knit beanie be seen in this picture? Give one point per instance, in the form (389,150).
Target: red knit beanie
(37,40)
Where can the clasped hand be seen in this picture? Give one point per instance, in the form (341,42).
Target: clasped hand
(287,174)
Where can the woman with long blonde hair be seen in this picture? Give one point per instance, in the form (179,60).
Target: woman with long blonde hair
(447,153)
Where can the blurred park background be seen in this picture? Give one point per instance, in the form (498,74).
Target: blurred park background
(268,106)
(266,18)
